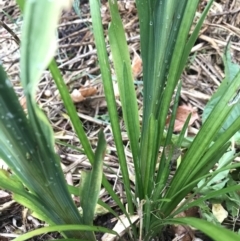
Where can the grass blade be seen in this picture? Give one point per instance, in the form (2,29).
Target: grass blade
(71,109)
(60,228)
(121,60)
(78,125)
(194,37)
(213,231)
(110,97)
(91,182)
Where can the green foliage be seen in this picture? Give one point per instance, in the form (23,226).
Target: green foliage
(231,71)
(21,4)
(165,46)
(27,143)
(214,231)
(61,228)
(110,98)
(91,183)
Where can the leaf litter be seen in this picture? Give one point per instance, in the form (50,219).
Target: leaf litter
(78,62)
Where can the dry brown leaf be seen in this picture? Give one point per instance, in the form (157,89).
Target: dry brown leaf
(86,92)
(192,212)
(182,115)
(82,93)
(136,65)
(219,212)
(23,102)
(183,233)
(2,238)
(101,103)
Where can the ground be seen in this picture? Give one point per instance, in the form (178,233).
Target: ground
(79,64)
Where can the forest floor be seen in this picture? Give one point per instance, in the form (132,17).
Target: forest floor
(78,62)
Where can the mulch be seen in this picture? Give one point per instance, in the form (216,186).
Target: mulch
(78,62)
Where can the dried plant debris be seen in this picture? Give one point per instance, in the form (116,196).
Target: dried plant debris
(77,59)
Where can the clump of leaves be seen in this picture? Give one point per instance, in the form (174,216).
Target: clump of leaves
(39,183)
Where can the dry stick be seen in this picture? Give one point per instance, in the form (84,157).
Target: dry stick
(227,12)
(15,37)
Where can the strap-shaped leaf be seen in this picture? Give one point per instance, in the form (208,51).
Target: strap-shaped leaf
(122,65)
(39,38)
(60,228)
(231,70)
(111,101)
(213,231)
(29,144)
(91,182)
(21,195)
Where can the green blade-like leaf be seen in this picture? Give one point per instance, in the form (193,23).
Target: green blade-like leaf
(168,17)
(213,194)
(122,64)
(165,160)
(148,168)
(215,232)
(146,40)
(183,131)
(110,98)
(193,37)
(19,148)
(173,116)
(188,188)
(30,152)
(21,4)
(76,4)
(69,239)
(207,161)
(21,195)
(60,228)
(36,53)
(71,109)
(17,142)
(231,70)
(186,18)
(92,183)
(78,127)
(207,133)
